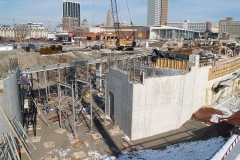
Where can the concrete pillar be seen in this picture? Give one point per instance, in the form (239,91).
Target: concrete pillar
(166,34)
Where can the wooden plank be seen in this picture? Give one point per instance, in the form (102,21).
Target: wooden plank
(158,62)
(162,62)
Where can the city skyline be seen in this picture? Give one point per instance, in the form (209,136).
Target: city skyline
(95,11)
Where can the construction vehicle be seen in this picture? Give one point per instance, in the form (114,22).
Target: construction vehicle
(126,43)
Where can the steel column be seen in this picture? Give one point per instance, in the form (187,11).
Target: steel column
(45,82)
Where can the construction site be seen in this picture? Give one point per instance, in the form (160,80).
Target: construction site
(83,103)
(134,92)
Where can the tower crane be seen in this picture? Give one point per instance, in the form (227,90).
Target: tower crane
(125,43)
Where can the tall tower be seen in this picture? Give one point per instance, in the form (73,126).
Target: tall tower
(157,13)
(110,20)
(71,9)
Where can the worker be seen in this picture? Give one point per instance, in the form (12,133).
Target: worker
(47,109)
(24,81)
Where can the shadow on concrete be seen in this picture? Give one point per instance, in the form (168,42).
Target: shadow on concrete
(221,129)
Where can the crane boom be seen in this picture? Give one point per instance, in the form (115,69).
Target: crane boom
(120,41)
(115,16)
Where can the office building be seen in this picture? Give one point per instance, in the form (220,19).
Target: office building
(230,27)
(72,9)
(70,23)
(193,26)
(157,12)
(110,20)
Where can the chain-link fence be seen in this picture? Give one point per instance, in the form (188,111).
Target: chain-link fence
(8,67)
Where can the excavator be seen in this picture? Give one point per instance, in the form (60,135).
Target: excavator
(126,43)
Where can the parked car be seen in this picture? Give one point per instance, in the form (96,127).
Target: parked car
(66,42)
(11,41)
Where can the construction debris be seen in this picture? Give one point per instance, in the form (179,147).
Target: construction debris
(48,145)
(78,144)
(79,155)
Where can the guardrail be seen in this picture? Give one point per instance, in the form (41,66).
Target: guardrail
(231,147)
(226,148)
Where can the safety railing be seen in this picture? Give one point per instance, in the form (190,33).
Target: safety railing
(231,147)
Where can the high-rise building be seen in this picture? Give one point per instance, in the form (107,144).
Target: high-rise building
(70,23)
(110,20)
(72,9)
(157,13)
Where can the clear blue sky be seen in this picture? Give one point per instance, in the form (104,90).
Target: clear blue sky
(95,11)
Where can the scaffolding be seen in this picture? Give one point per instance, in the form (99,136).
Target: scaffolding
(70,82)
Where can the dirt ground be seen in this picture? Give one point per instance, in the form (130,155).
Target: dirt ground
(204,114)
(107,143)
(34,59)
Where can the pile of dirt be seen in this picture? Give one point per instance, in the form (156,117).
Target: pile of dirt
(35,59)
(205,114)
(78,144)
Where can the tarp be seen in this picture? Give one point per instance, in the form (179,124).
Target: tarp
(217,86)
(157,53)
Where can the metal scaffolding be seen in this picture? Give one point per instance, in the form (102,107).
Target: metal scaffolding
(53,83)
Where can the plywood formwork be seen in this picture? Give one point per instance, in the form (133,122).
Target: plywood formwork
(220,71)
(170,63)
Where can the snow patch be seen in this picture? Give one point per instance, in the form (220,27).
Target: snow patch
(87,144)
(183,151)
(93,155)
(126,138)
(107,157)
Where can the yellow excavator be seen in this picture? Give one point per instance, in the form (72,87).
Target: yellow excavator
(126,43)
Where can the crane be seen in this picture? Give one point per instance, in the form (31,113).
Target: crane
(122,43)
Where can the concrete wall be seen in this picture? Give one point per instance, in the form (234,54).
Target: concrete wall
(162,103)
(9,101)
(156,106)
(117,83)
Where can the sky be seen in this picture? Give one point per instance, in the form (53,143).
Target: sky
(49,12)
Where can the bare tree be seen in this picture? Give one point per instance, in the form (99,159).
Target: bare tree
(80,31)
(21,31)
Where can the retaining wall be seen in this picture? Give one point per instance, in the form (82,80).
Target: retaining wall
(160,104)
(9,101)
(117,83)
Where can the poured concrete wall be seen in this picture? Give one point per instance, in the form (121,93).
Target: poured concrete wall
(117,83)
(9,101)
(162,103)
